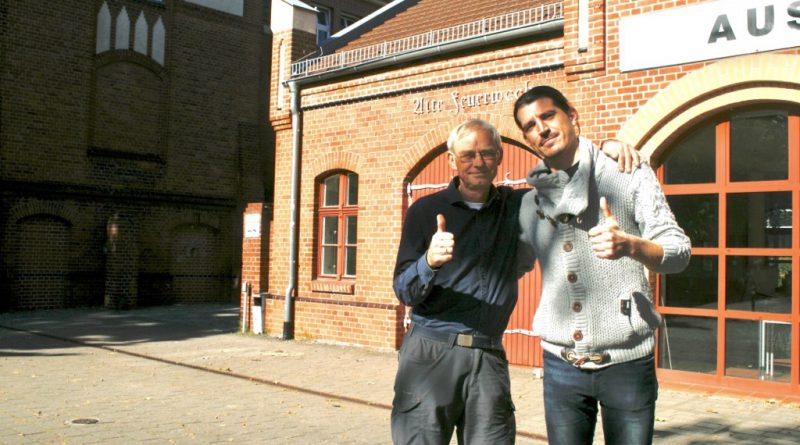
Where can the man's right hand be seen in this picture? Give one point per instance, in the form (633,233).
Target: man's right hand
(441,249)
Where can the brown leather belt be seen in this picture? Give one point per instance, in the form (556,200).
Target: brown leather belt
(577,360)
(464,340)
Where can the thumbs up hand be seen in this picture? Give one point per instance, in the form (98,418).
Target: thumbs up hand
(440,250)
(607,239)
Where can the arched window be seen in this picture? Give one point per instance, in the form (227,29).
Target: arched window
(733,182)
(337,214)
(103,42)
(123,31)
(140,35)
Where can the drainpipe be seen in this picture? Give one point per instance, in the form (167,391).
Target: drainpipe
(291,288)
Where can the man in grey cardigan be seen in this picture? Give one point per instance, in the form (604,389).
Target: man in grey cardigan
(593,228)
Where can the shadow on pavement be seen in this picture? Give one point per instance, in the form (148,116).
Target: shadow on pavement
(118,328)
(723,430)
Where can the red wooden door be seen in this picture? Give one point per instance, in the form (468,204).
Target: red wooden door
(521,347)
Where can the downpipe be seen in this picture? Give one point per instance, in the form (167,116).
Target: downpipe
(291,288)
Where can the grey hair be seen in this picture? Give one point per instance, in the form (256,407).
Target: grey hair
(471,125)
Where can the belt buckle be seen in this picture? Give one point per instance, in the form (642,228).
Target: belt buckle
(465,340)
(577,361)
(599,357)
(571,358)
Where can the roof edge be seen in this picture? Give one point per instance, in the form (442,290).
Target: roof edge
(411,56)
(356,30)
(301,5)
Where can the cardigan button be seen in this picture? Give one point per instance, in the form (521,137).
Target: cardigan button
(572,277)
(567,246)
(577,307)
(577,336)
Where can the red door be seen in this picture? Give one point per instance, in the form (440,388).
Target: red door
(522,348)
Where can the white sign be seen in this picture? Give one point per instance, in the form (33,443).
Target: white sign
(252,225)
(707,31)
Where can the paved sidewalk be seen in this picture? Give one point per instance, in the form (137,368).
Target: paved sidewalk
(144,376)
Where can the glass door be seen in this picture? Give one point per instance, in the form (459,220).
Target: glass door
(731,317)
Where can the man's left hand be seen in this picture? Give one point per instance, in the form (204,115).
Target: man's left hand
(628,159)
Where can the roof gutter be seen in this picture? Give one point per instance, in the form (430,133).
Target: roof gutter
(473,42)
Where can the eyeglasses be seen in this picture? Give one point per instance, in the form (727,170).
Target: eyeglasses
(486,156)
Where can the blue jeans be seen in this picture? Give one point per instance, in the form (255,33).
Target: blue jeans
(626,392)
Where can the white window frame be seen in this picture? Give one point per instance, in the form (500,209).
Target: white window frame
(346,20)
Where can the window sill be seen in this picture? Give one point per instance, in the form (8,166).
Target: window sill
(333,287)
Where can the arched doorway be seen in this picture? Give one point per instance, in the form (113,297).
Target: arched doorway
(709,108)
(732,317)
(39,263)
(433,175)
(196,268)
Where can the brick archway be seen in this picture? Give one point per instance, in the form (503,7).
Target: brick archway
(336,161)
(30,208)
(741,80)
(437,136)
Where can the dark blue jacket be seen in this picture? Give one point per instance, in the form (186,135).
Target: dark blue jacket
(477,290)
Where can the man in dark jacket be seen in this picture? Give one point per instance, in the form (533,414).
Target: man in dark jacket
(457,267)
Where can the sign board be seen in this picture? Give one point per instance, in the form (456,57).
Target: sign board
(458,102)
(706,31)
(252,225)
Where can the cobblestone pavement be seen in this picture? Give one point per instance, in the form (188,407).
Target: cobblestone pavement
(182,374)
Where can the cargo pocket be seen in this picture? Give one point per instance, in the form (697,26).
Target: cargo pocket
(407,418)
(497,361)
(405,401)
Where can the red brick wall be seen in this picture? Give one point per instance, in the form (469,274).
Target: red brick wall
(366,123)
(373,137)
(606,98)
(254,252)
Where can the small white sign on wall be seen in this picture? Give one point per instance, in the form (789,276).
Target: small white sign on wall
(706,31)
(252,225)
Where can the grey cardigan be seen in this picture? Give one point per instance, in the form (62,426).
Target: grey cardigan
(590,304)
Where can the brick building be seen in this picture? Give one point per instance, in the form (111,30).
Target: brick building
(131,139)
(132,133)
(709,91)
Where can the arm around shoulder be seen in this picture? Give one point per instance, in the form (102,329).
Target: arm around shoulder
(526,254)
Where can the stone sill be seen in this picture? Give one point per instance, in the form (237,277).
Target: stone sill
(333,287)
